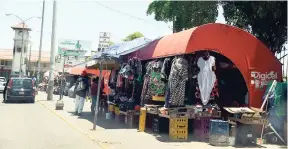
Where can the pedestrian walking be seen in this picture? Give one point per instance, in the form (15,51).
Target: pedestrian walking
(81,90)
(94,88)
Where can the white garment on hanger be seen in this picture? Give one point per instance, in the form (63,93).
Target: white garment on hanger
(206,78)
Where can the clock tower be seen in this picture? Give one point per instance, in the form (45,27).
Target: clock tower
(21,40)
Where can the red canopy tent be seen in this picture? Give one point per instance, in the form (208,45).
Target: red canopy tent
(254,60)
(77,70)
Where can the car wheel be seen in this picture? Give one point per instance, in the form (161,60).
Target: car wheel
(32,101)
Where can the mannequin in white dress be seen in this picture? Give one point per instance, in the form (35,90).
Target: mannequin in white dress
(206,77)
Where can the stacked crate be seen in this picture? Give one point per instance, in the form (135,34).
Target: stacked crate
(178,129)
(201,129)
(219,133)
(142,119)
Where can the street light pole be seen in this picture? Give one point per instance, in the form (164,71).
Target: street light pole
(52,55)
(40,45)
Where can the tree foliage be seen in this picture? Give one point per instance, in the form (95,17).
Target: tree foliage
(266,20)
(184,14)
(111,43)
(133,36)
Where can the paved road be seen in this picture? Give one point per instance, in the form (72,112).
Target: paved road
(31,126)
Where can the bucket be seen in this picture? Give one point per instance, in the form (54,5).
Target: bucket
(231,141)
(108,116)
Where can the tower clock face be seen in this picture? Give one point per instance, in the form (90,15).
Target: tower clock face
(20,32)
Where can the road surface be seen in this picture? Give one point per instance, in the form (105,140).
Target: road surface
(32,126)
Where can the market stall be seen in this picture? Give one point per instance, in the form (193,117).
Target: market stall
(110,60)
(187,79)
(227,51)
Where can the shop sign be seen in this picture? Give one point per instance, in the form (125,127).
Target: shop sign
(261,79)
(68,47)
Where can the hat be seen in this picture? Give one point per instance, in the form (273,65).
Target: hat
(84,73)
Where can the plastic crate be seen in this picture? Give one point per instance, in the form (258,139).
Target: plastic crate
(178,134)
(219,140)
(219,127)
(178,123)
(202,134)
(111,108)
(202,124)
(155,124)
(117,110)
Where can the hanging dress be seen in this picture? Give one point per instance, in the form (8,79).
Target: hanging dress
(177,81)
(206,78)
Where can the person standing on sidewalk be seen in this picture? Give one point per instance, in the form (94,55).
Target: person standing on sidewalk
(81,91)
(94,88)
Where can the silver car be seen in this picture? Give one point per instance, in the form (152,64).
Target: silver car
(2,84)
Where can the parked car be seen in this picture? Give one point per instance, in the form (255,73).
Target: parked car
(71,93)
(2,84)
(20,89)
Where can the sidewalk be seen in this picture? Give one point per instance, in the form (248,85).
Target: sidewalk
(112,135)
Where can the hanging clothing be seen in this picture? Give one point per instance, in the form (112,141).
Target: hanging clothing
(213,95)
(146,94)
(165,70)
(157,86)
(206,78)
(177,81)
(113,79)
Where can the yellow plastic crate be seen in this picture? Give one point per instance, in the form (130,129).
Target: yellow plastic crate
(178,123)
(178,134)
(111,108)
(142,119)
(117,111)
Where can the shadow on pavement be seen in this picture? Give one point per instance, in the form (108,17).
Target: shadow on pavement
(102,122)
(17,102)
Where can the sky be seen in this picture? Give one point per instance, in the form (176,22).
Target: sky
(81,19)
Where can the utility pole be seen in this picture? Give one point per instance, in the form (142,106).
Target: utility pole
(52,55)
(40,45)
(29,64)
(22,50)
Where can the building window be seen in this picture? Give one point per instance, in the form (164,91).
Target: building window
(9,63)
(3,62)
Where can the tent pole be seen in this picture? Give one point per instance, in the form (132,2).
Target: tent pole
(98,95)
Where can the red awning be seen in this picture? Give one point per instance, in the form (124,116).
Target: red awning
(254,60)
(78,70)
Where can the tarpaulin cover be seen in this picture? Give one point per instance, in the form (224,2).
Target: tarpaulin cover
(277,106)
(254,60)
(127,47)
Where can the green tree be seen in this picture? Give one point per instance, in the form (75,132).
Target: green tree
(133,36)
(184,14)
(266,20)
(111,43)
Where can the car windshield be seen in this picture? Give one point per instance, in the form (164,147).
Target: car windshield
(2,80)
(22,83)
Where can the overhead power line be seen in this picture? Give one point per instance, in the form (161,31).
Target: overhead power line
(126,14)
